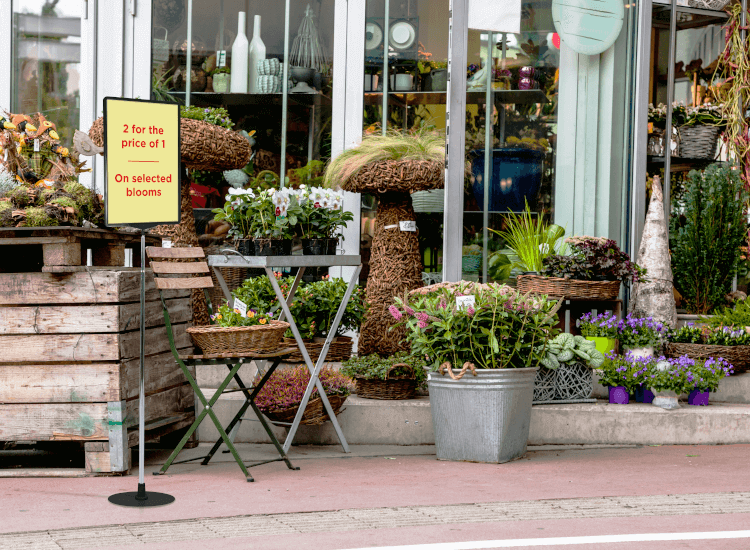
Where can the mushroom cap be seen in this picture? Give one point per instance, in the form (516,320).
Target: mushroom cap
(203,146)
(405,176)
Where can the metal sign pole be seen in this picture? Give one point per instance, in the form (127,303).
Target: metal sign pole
(141,498)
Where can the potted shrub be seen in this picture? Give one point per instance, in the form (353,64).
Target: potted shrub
(282,394)
(320,219)
(570,358)
(593,269)
(700,343)
(600,329)
(394,377)
(705,239)
(391,167)
(497,337)
(638,335)
(221,80)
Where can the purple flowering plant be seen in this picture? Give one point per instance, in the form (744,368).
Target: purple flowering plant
(286,387)
(603,325)
(628,370)
(638,332)
(502,328)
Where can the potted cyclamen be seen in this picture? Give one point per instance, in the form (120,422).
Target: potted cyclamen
(235,212)
(497,337)
(320,219)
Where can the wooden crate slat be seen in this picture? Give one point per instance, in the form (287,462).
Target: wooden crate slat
(167,403)
(91,383)
(192,282)
(156,341)
(98,462)
(182,267)
(161,371)
(171,253)
(154,434)
(53,421)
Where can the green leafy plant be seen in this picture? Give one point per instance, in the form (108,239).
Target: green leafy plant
(737,315)
(419,144)
(727,336)
(530,239)
(161,85)
(502,329)
(706,239)
(566,348)
(374,367)
(221,70)
(688,334)
(593,259)
(214,115)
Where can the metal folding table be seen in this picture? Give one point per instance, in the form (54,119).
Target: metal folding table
(232,259)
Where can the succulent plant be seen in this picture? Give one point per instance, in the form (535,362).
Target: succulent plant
(565,348)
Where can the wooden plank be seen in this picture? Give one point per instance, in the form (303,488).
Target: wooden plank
(109,255)
(95,446)
(193,282)
(99,318)
(62,254)
(119,453)
(161,371)
(87,347)
(54,421)
(98,462)
(155,434)
(45,472)
(180,252)
(94,286)
(181,267)
(60,383)
(31,234)
(37,240)
(167,403)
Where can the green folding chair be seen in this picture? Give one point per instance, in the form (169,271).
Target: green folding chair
(192,273)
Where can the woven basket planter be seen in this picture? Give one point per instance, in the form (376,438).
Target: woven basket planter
(393,387)
(568,288)
(716,5)
(544,384)
(340,350)
(237,340)
(428,201)
(315,414)
(738,356)
(574,381)
(698,142)
(203,146)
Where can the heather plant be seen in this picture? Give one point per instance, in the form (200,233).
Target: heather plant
(638,332)
(286,387)
(500,329)
(603,325)
(706,237)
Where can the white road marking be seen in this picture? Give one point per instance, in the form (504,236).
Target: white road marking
(561,541)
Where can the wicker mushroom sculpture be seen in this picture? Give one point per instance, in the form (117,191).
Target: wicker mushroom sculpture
(401,164)
(203,146)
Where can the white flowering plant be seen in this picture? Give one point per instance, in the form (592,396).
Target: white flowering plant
(321,213)
(271,213)
(235,211)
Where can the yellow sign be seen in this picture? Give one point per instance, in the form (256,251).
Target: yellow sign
(142,159)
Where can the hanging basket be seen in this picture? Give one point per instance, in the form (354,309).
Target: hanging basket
(315,413)
(738,356)
(237,340)
(391,388)
(428,201)
(698,142)
(568,288)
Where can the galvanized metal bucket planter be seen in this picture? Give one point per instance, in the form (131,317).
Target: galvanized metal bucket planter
(482,418)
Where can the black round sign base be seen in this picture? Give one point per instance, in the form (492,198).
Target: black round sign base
(141,498)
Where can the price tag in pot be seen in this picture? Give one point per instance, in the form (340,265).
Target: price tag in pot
(240,306)
(166,243)
(408,226)
(463,302)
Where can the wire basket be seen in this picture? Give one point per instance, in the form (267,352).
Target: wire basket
(238,340)
(432,277)
(306,49)
(544,384)
(574,381)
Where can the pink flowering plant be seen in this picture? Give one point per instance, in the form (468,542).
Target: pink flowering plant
(502,328)
(286,387)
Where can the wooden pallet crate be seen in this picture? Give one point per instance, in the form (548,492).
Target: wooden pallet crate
(69,361)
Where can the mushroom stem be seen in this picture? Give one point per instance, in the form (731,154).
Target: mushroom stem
(395,268)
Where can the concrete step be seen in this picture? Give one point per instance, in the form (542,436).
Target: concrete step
(409,422)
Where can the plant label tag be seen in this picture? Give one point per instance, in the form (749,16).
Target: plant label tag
(36,145)
(221,58)
(166,243)
(240,306)
(408,226)
(463,302)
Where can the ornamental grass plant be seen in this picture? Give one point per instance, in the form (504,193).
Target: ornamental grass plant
(286,387)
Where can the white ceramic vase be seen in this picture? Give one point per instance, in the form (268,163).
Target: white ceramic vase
(257,55)
(238,82)
(647,351)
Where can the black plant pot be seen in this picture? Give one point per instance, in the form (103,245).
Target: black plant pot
(273,247)
(331,247)
(314,247)
(245,247)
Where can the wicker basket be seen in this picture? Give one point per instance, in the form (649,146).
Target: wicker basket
(568,288)
(698,142)
(255,339)
(716,5)
(340,349)
(315,413)
(738,356)
(396,387)
(574,381)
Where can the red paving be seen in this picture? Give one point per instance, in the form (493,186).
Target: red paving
(219,489)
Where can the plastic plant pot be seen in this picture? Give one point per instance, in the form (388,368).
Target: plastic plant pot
(618,395)
(604,345)
(643,395)
(698,398)
(273,247)
(245,247)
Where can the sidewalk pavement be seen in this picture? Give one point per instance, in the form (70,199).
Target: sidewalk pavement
(551,490)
